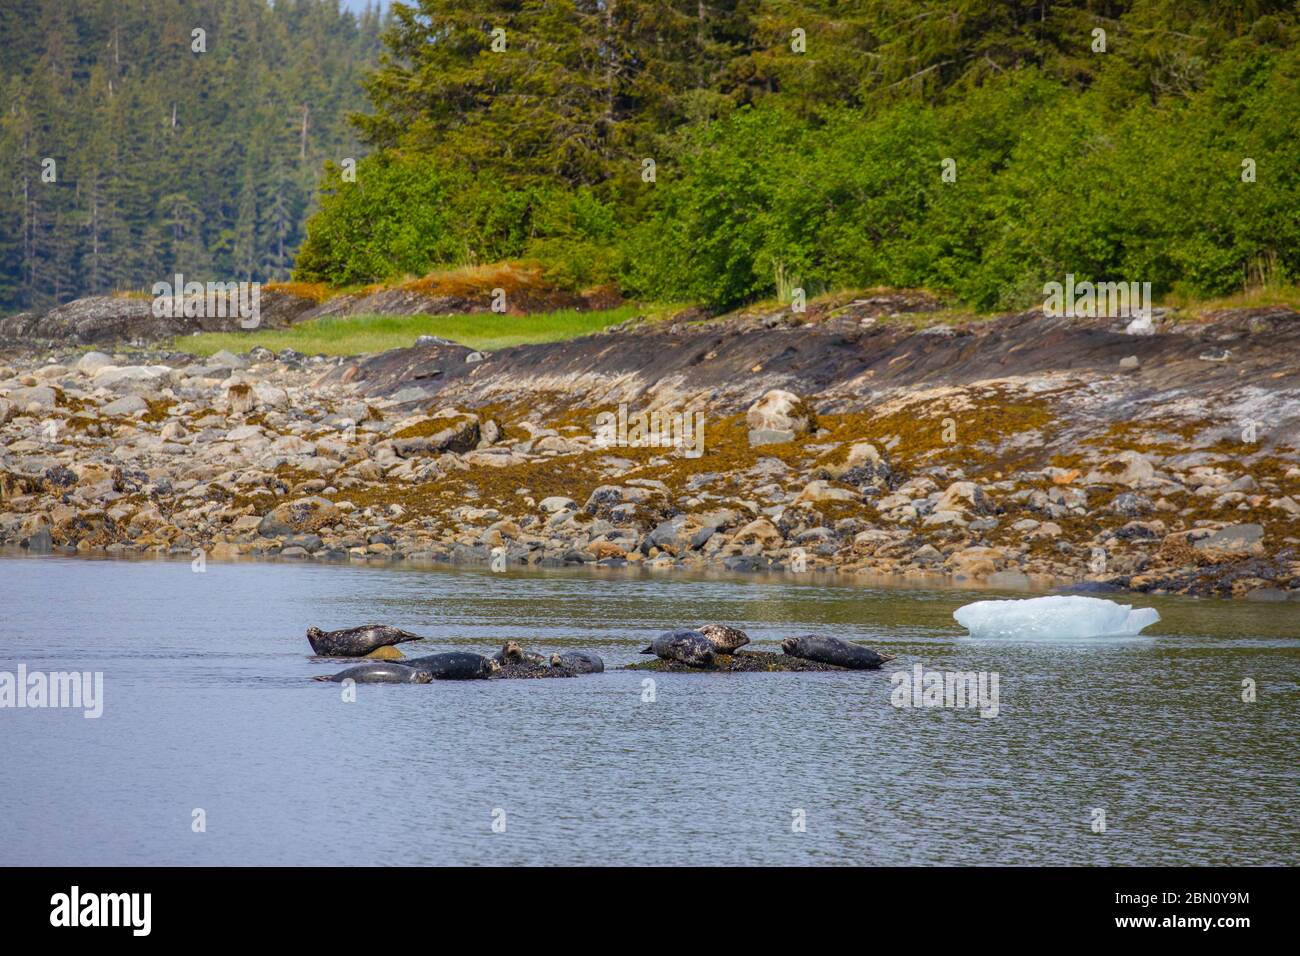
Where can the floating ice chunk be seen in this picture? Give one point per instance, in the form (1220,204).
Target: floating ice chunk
(1054,617)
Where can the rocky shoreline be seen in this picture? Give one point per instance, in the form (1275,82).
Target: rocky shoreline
(1020,452)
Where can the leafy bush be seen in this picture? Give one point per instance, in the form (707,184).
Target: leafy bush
(395,219)
(1049,181)
(1126,167)
(411,217)
(575,239)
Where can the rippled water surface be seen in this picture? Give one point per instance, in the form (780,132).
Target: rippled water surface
(208,705)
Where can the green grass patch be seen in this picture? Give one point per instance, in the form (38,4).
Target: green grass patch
(1279,294)
(363,334)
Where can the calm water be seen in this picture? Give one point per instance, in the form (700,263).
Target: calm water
(207,705)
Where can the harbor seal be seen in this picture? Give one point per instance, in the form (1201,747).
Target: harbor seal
(380,672)
(724,638)
(512,653)
(356,641)
(831,650)
(579,661)
(689,647)
(454,665)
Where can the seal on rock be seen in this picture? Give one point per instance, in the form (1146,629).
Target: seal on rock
(454,665)
(512,653)
(380,672)
(724,638)
(689,647)
(579,661)
(356,641)
(831,650)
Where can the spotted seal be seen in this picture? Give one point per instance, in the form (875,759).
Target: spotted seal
(831,650)
(454,665)
(380,672)
(356,641)
(724,638)
(689,647)
(579,661)
(512,653)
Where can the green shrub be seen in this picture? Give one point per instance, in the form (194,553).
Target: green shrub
(1049,181)
(1132,176)
(395,219)
(411,217)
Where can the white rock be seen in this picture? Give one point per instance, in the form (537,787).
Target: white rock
(1129,468)
(943,517)
(111,376)
(1287,503)
(820,491)
(270,396)
(961,495)
(1055,617)
(780,410)
(92,362)
(226,359)
(126,405)
(862,453)
(38,396)
(244,433)
(292,445)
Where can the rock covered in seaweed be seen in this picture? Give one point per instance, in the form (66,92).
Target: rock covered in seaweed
(741,662)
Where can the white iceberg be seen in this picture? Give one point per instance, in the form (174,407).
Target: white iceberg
(1054,618)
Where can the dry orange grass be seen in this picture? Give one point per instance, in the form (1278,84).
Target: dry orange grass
(513,277)
(315,291)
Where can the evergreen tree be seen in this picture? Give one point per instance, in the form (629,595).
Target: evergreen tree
(152,139)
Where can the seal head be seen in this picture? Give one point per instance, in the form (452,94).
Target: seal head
(513,653)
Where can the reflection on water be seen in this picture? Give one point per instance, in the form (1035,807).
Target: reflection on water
(207,705)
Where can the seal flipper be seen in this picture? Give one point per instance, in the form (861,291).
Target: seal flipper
(648,650)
